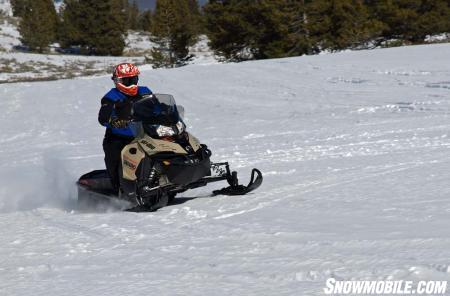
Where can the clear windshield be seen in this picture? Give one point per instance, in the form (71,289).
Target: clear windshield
(158,109)
(156,112)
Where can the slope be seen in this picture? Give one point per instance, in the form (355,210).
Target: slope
(354,147)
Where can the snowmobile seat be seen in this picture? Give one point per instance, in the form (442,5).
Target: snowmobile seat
(97,181)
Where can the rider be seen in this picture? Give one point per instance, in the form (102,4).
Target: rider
(115,115)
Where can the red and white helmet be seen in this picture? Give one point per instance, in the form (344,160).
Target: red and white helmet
(126,77)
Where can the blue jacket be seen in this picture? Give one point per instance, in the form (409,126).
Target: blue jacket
(117,104)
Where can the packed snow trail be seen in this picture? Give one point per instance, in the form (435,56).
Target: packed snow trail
(354,148)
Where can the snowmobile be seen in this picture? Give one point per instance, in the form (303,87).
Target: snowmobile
(163,160)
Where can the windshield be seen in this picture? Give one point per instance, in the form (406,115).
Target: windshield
(157,116)
(158,109)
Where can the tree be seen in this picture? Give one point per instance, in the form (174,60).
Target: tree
(196,16)
(398,16)
(434,19)
(38,24)
(282,28)
(411,20)
(98,27)
(70,32)
(174,31)
(145,21)
(18,7)
(226,29)
(240,30)
(133,16)
(299,29)
(109,40)
(341,24)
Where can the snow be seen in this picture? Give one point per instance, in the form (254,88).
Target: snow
(203,55)
(9,36)
(354,148)
(138,43)
(438,38)
(30,66)
(58,5)
(5,7)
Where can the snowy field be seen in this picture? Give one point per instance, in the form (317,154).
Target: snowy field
(354,147)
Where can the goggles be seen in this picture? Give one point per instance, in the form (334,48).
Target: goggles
(129,81)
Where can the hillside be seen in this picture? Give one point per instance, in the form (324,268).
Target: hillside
(19,65)
(354,148)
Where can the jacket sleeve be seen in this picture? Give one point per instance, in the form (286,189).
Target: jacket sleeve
(105,112)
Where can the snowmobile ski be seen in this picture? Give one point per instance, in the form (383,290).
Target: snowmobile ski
(236,189)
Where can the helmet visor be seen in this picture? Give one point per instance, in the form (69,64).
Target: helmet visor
(129,81)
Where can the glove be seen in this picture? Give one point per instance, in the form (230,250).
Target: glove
(118,123)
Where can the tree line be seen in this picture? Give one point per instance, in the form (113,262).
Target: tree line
(237,29)
(243,29)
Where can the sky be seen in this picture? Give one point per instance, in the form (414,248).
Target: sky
(146,4)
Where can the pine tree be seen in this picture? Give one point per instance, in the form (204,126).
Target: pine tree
(411,20)
(280,28)
(162,29)
(145,21)
(196,16)
(110,40)
(97,26)
(174,30)
(38,24)
(399,17)
(228,30)
(240,30)
(69,32)
(133,16)
(341,24)
(18,7)
(299,28)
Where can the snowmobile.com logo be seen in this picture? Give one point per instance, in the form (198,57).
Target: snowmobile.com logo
(334,287)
